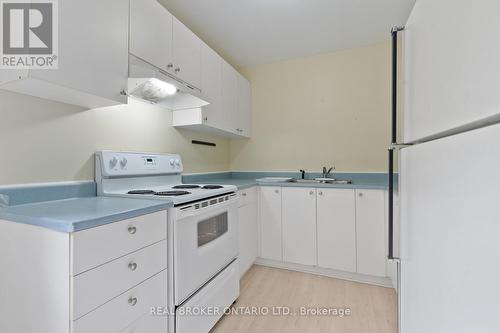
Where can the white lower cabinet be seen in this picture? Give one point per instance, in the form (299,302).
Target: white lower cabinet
(248,230)
(336,213)
(333,228)
(270,223)
(299,225)
(370,232)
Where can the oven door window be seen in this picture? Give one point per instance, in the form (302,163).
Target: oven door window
(212,228)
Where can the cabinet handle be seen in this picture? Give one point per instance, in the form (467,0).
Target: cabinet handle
(132,266)
(123,92)
(177,70)
(132,230)
(311,192)
(360,194)
(244,194)
(320,192)
(132,301)
(205,119)
(276,191)
(170,66)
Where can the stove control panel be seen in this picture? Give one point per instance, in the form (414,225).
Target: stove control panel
(112,163)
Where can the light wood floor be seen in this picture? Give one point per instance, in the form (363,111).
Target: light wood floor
(373,309)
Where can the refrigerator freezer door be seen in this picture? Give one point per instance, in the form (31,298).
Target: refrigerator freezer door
(451,65)
(450,231)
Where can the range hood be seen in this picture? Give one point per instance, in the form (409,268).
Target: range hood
(153,85)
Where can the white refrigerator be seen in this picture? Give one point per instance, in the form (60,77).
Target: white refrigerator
(449,186)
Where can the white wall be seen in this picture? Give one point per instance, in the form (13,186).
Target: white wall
(43,141)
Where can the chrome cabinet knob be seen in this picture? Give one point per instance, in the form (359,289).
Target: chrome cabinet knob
(132,301)
(320,192)
(177,70)
(170,65)
(132,266)
(311,192)
(132,230)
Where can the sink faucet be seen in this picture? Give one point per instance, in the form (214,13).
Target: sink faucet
(326,173)
(303,172)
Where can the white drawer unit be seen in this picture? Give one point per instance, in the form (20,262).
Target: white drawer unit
(123,310)
(99,280)
(148,324)
(101,284)
(96,246)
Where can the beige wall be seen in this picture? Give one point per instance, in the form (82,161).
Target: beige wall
(321,110)
(43,141)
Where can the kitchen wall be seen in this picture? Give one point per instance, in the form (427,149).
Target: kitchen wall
(44,141)
(322,110)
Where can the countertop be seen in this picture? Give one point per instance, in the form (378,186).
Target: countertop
(75,214)
(244,180)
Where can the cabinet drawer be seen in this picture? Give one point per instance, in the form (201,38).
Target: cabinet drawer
(123,310)
(96,246)
(148,324)
(247,196)
(97,286)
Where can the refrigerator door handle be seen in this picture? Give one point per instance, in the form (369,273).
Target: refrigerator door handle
(394,144)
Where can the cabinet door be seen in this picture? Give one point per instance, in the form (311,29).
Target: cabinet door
(370,226)
(299,225)
(229,97)
(211,86)
(248,236)
(93,48)
(186,54)
(336,211)
(244,106)
(270,223)
(151,32)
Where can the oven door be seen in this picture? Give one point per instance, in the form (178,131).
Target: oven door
(205,241)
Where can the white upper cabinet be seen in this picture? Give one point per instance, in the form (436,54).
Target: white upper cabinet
(186,54)
(151,33)
(299,225)
(211,85)
(336,229)
(244,106)
(370,225)
(92,57)
(229,98)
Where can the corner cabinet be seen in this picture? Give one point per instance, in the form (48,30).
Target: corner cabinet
(92,57)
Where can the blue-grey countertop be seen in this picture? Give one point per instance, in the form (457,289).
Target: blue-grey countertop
(245,180)
(72,214)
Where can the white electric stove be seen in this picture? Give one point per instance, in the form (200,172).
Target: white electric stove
(202,231)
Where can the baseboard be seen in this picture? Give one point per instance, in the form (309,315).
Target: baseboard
(355,277)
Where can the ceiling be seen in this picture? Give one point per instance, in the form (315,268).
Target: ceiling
(251,32)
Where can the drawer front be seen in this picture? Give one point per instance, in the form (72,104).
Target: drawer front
(125,309)
(97,286)
(247,196)
(148,324)
(218,294)
(96,246)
